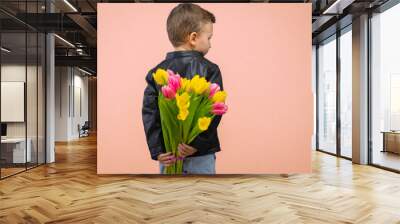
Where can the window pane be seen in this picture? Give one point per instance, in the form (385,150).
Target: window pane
(346,93)
(327,96)
(386,88)
(314,74)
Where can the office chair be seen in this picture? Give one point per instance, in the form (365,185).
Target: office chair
(84,130)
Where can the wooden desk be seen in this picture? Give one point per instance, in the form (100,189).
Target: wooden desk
(391,141)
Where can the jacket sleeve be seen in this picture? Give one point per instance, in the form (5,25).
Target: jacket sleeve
(151,118)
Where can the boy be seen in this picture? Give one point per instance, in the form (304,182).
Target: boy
(190,29)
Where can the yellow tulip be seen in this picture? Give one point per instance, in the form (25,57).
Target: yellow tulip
(199,85)
(161,76)
(183,100)
(183,114)
(203,123)
(219,96)
(200,89)
(185,84)
(193,82)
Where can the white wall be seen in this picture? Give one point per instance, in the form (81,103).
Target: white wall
(79,117)
(71,93)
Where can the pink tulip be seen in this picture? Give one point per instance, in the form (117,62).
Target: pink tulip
(214,87)
(219,108)
(174,81)
(168,92)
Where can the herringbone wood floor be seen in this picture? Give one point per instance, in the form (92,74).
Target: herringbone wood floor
(69,191)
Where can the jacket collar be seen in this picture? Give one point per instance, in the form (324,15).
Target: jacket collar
(193,53)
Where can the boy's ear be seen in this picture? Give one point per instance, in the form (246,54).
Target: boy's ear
(192,38)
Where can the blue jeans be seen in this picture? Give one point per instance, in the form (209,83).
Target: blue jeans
(197,164)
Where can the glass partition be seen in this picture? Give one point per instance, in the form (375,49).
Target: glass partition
(13,104)
(22,101)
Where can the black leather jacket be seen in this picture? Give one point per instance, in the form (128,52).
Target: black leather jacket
(187,64)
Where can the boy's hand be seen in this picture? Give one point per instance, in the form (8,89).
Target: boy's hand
(166,159)
(186,150)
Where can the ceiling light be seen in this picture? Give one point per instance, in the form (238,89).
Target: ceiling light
(5,49)
(84,71)
(64,40)
(338,6)
(70,5)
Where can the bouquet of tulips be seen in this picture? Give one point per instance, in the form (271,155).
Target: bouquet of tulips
(187,107)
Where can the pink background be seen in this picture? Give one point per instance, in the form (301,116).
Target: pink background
(264,52)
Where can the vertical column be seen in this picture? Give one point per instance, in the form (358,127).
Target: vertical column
(50,92)
(360,89)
